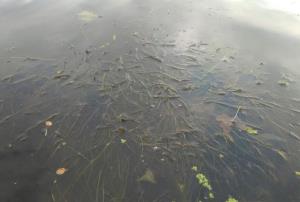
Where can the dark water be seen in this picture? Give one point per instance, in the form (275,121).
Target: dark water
(145,97)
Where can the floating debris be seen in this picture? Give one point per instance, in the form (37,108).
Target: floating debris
(123,141)
(48,124)
(87,16)
(283,83)
(251,131)
(61,171)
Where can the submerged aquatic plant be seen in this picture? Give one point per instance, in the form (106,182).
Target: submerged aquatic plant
(147,177)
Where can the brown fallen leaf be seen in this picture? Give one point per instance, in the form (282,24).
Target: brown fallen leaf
(61,171)
(225,122)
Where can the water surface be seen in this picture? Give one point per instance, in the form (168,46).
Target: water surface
(149,100)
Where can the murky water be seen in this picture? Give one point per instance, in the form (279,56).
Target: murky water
(149,101)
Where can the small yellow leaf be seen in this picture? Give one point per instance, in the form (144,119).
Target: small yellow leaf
(251,131)
(61,171)
(297,173)
(114,37)
(123,141)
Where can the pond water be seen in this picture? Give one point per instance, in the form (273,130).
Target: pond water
(164,101)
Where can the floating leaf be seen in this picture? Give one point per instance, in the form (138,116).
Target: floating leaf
(114,37)
(195,168)
(297,173)
(123,141)
(230,199)
(61,171)
(251,131)
(87,16)
(242,126)
(147,177)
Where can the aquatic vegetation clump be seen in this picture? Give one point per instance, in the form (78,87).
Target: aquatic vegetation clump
(203,181)
(231,199)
